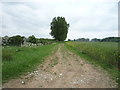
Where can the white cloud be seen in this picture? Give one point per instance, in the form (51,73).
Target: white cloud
(87,18)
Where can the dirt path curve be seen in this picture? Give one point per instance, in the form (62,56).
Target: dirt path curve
(64,69)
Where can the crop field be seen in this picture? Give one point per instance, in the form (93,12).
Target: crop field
(64,63)
(104,54)
(17,60)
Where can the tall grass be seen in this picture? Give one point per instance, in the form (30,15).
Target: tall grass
(18,60)
(104,54)
(100,51)
(7,55)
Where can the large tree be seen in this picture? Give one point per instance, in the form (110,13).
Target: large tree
(59,28)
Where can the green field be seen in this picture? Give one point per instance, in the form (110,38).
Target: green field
(18,60)
(104,54)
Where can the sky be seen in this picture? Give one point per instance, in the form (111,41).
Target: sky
(87,18)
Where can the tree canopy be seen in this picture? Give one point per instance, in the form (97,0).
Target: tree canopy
(16,40)
(59,28)
(32,39)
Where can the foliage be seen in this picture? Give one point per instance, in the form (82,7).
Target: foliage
(82,39)
(59,28)
(96,40)
(111,39)
(107,39)
(32,39)
(16,40)
(69,39)
(5,40)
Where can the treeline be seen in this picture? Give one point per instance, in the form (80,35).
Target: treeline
(32,40)
(107,39)
(22,40)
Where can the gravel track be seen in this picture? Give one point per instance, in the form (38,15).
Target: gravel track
(64,69)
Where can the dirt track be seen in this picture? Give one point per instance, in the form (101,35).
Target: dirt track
(64,69)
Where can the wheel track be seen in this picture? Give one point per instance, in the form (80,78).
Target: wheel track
(70,71)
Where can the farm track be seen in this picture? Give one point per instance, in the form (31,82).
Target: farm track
(64,69)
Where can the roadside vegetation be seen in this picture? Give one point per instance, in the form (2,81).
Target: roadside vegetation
(21,54)
(19,60)
(104,54)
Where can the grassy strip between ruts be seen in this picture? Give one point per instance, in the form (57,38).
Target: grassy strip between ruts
(23,59)
(112,70)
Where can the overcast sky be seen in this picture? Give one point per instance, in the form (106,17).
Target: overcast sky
(87,18)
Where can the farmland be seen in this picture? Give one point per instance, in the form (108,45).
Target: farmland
(104,54)
(61,64)
(60,44)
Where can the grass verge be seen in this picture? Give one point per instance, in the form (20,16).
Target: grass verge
(112,70)
(23,59)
